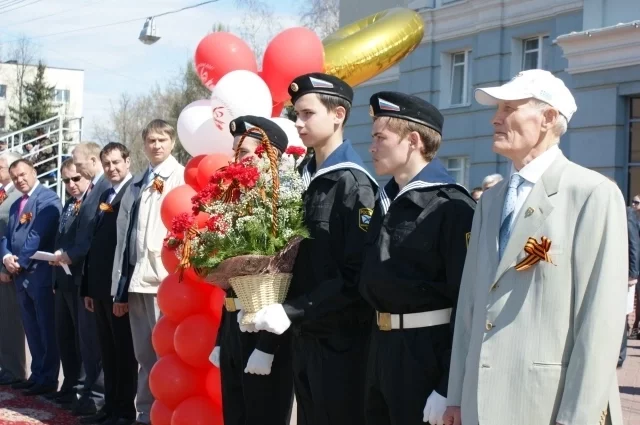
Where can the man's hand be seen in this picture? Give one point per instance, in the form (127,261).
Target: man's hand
(120,309)
(259,363)
(434,409)
(273,319)
(214,357)
(11,264)
(88,303)
(62,258)
(452,416)
(245,328)
(4,277)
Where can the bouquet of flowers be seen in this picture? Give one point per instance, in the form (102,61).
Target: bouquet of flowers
(254,228)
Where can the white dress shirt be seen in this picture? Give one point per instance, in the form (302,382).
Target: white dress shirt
(117,187)
(531,173)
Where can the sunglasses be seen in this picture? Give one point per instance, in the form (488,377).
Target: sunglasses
(75,179)
(635,202)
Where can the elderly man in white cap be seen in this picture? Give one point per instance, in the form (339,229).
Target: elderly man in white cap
(542,298)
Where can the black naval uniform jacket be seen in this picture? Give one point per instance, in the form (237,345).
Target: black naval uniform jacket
(416,250)
(323,297)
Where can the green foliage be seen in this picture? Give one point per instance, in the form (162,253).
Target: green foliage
(37,105)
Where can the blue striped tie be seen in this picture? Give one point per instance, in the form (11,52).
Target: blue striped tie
(507,212)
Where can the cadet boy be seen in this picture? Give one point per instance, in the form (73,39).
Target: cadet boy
(413,263)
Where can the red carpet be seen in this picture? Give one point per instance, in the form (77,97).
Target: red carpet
(15,409)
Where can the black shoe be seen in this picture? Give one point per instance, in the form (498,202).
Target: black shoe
(23,385)
(85,407)
(119,421)
(40,390)
(98,418)
(61,395)
(66,399)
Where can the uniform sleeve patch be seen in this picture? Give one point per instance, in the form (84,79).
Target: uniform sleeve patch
(468,238)
(364,218)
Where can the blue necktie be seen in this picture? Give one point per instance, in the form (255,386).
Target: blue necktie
(111,194)
(507,212)
(66,215)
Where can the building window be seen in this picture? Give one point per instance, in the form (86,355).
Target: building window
(3,122)
(459,78)
(3,91)
(458,168)
(532,53)
(62,96)
(634,148)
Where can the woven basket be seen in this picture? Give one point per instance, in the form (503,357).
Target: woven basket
(260,290)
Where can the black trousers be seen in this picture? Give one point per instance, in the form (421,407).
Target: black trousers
(403,368)
(328,377)
(249,399)
(118,361)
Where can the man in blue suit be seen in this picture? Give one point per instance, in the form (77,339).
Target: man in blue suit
(32,227)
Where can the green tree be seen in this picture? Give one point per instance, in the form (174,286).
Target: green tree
(37,105)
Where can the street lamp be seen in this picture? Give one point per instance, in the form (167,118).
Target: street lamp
(149,33)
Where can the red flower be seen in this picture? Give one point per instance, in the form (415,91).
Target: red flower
(181,223)
(296,151)
(209,193)
(235,177)
(259,150)
(216,224)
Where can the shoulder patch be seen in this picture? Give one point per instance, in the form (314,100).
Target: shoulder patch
(364,218)
(468,238)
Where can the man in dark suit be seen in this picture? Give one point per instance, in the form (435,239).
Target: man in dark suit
(86,158)
(114,333)
(33,220)
(12,353)
(66,290)
(633,229)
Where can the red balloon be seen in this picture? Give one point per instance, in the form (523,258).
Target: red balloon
(277,109)
(197,411)
(160,414)
(178,300)
(293,52)
(216,303)
(220,53)
(194,340)
(172,381)
(191,172)
(169,259)
(209,165)
(178,201)
(214,386)
(162,336)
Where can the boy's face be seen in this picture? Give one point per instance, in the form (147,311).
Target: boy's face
(316,124)
(389,152)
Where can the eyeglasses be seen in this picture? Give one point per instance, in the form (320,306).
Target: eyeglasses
(635,202)
(75,179)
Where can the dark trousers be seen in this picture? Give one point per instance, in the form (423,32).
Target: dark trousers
(402,371)
(37,307)
(12,339)
(77,324)
(249,399)
(118,360)
(328,378)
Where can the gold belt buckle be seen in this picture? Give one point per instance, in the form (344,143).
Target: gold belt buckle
(230,305)
(384,321)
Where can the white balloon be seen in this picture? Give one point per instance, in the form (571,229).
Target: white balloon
(244,93)
(290,130)
(203,128)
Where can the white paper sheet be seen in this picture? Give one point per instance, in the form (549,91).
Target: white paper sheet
(48,256)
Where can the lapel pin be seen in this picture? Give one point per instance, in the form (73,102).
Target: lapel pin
(528,212)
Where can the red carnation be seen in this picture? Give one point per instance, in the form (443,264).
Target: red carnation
(296,151)
(209,193)
(181,223)
(259,150)
(216,224)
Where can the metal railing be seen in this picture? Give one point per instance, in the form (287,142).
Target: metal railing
(46,144)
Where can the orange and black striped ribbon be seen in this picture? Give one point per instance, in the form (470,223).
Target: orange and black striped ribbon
(105,207)
(158,185)
(26,217)
(536,252)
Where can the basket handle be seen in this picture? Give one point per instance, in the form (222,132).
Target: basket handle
(275,177)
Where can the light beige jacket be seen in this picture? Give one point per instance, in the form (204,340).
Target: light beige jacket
(540,346)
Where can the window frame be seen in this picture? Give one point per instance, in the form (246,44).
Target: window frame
(465,76)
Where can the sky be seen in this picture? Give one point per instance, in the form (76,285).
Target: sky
(113,58)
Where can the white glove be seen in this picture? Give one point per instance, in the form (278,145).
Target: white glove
(273,319)
(434,409)
(214,357)
(245,328)
(259,363)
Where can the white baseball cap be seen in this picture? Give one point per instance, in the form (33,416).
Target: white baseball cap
(532,84)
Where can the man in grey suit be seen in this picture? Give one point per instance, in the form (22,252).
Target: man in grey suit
(543,294)
(12,338)
(86,158)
